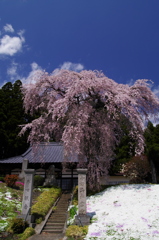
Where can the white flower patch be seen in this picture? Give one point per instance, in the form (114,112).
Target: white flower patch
(73,209)
(125,212)
(9,207)
(8,196)
(3,225)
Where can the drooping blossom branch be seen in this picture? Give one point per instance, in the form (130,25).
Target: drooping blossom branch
(83,110)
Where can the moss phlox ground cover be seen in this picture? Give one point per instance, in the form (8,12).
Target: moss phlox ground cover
(10,205)
(128,212)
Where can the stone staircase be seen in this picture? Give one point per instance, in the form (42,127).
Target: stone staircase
(56,221)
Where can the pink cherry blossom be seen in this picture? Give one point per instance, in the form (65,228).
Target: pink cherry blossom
(84,110)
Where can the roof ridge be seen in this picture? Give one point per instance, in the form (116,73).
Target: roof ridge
(27,151)
(49,143)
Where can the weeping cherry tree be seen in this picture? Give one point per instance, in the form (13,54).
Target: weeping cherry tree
(83,110)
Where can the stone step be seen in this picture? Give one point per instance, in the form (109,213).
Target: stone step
(61,210)
(62,204)
(53,227)
(54,224)
(61,207)
(61,220)
(53,231)
(56,221)
(58,215)
(57,212)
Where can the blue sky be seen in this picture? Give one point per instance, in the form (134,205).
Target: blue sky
(119,37)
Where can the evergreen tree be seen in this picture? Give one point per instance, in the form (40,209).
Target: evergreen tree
(152,147)
(125,150)
(11,116)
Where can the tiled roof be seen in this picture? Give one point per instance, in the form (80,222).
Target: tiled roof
(44,152)
(17,159)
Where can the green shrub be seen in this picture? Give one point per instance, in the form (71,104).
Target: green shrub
(18,225)
(10,180)
(72,213)
(75,196)
(38,220)
(19,185)
(38,180)
(137,169)
(1,179)
(75,232)
(27,233)
(44,202)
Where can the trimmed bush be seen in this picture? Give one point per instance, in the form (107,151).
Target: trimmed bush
(38,180)
(1,179)
(10,180)
(27,233)
(44,203)
(137,169)
(75,196)
(18,225)
(19,185)
(75,232)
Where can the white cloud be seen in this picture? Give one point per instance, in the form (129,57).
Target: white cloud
(8,28)
(12,71)
(156,91)
(11,45)
(37,71)
(33,76)
(21,33)
(35,66)
(77,67)
(131,82)
(152,118)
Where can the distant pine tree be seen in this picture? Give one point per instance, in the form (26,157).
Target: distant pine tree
(125,150)
(11,116)
(152,147)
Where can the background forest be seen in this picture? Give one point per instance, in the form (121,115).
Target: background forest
(11,116)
